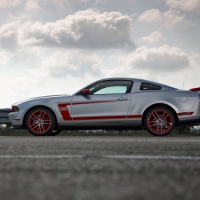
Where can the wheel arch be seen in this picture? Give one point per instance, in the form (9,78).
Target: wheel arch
(161,105)
(38,106)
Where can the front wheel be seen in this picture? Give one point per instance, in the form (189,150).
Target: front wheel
(40,121)
(159,121)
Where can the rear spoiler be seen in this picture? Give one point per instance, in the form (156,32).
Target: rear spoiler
(195,89)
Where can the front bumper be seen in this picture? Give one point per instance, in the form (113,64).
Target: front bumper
(16,118)
(16,127)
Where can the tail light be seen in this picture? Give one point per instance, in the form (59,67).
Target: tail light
(195,89)
(15,109)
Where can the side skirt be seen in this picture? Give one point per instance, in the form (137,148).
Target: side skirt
(100,127)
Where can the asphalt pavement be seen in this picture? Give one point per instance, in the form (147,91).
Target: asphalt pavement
(95,167)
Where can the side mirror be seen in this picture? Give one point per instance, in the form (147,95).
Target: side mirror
(85,91)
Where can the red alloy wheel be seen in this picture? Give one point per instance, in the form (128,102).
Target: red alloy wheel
(160,121)
(40,122)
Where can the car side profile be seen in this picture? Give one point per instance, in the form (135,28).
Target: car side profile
(112,103)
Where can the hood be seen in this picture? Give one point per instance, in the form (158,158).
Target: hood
(41,97)
(44,97)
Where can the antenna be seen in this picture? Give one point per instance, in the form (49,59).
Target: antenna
(183,84)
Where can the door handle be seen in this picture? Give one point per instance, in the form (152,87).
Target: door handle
(122,99)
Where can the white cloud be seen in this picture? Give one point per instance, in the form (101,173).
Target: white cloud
(154,37)
(184,4)
(162,59)
(9,34)
(61,64)
(195,60)
(168,18)
(4,4)
(67,1)
(173,17)
(5,57)
(44,63)
(21,59)
(84,29)
(153,15)
(32,6)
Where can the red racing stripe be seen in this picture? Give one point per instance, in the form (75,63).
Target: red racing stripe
(66,115)
(64,111)
(92,102)
(107,117)
(134,116)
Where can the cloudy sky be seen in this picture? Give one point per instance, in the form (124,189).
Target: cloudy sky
(58,46)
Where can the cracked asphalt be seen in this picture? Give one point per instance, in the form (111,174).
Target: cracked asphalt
(76,168)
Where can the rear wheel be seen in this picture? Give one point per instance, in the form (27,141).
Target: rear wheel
(159,121)
(40,121)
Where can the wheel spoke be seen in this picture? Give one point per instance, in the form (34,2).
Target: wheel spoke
(164,115)
(155,115)
(47,122)
(42,114)
(33,117)
(160,129)
(152,124)
(42,127)
(157,128)
(34,126)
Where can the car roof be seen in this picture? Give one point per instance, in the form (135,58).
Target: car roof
(139,81)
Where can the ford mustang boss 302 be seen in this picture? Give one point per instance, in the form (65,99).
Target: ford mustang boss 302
(112,103)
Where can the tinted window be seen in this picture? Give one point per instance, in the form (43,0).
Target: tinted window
(112,90)
(148,86)
(110,87)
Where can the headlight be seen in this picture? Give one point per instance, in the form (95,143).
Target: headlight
(15,109)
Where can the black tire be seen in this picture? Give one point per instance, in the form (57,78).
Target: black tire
(40,121)
(159,121)
(55,132)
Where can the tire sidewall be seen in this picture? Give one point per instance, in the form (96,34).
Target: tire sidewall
(159,108)
(50,129)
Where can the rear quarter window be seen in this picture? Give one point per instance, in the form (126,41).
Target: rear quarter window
(149,86)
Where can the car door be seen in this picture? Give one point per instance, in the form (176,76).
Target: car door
(103,103)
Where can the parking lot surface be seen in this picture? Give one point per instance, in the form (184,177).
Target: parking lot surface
(94,167)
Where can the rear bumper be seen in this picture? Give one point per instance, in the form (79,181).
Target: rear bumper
(191,122)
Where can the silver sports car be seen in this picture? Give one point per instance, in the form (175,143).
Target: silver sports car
(113,103)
